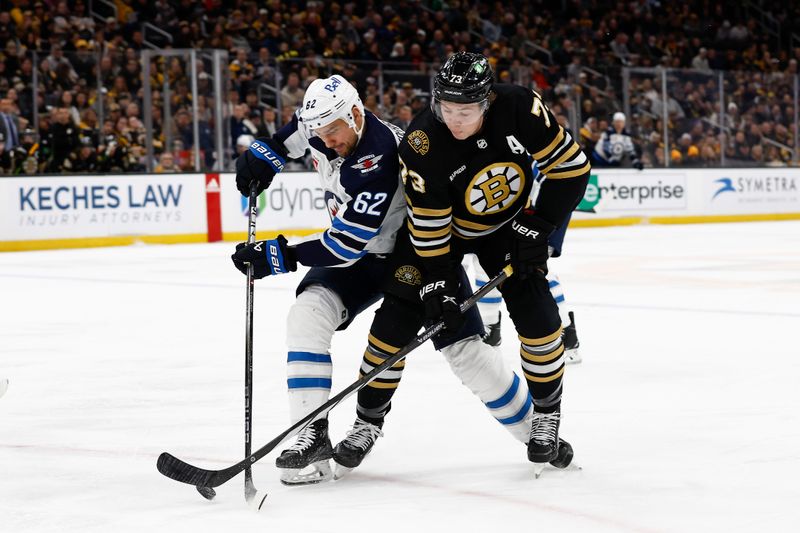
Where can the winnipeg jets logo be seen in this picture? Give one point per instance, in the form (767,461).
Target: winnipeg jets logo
(482,143)
(333,203)
(367,163)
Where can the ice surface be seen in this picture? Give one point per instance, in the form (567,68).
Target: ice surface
(684,413)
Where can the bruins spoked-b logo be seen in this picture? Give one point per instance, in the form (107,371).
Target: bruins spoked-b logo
(409,275)
(494,188)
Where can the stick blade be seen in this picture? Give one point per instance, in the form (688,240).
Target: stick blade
(179,470)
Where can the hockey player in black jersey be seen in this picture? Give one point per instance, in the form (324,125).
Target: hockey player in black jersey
(467,168)
(478,194)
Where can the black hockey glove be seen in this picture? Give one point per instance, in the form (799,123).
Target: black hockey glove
(259,163)
(529,251)
(637,164)
(268,258)
(439,296)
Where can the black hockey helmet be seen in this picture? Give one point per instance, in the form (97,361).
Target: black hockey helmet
(465,78)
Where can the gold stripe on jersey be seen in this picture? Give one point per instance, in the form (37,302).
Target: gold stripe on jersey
(430,236)
(468,234)
(547,152)
(471,225)
(557,174)
(425,212)
(567,155)
(422,234)
(433,253)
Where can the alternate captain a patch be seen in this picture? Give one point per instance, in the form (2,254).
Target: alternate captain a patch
(419,142)
(409,275)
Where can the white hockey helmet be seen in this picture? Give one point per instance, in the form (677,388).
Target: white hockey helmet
(328,99)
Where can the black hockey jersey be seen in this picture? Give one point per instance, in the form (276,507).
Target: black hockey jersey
(469,188)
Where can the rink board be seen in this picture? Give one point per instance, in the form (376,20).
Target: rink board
(84,211)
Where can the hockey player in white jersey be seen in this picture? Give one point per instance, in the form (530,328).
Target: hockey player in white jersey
(355,155)
(614,144)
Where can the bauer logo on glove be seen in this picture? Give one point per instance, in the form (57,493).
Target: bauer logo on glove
(268,258)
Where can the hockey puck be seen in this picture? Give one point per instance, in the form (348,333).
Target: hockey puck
(207,492)
(565,455)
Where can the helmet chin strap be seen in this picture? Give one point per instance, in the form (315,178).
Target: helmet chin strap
(355,128)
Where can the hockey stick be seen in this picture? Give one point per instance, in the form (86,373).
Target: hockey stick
(176,469)
(250,492)
(249,488)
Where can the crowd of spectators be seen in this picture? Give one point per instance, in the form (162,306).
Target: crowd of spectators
(87,112)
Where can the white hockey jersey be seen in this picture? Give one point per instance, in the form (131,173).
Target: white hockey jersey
(363,192)
(612,147)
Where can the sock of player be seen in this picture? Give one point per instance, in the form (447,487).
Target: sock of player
(311,323)
(543,366)
(374,400)
(482,370)
(396,323)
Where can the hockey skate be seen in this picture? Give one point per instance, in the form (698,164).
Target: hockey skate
(571,342)
(492,335)
(349,453)
(543,446)
(310,452)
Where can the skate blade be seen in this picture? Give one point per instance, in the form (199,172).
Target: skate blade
(340,472)
(573,357)
(540,468)
(312,474)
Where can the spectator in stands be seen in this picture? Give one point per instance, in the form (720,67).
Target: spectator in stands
(403,118)
(257,120)
(166,163)
(9,123)
(64,139)
(286,114)
(184,129)
(614,145)
(269,122)
(85,159)
(568,41)
(6,163)
(241,123)
(292,94)
(700,61)
(589,136)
